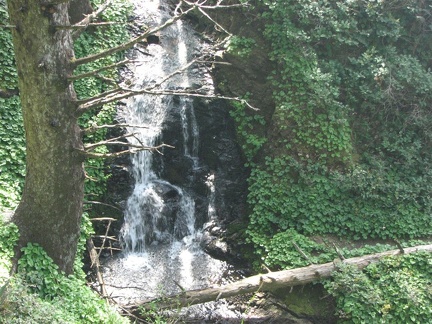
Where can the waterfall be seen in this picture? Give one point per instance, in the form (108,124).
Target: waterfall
(160,236)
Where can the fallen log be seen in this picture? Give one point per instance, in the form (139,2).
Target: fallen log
(270,281)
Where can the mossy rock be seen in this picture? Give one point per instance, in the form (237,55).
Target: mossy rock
(310,301)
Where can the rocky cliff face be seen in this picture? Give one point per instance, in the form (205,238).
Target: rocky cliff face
(215,178)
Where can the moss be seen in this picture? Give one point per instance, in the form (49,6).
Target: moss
(311,301)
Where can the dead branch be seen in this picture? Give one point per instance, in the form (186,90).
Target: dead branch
(92,155)
(127,45)
(89,18)
(130,43)
(95,72)
(104,239)
(105,218)
(94,257)
(91,147)
(220,6)
(273,280)
(303,254)
(214,22)
(99,24)
(112,141)
(92,202)
(110,248)
(94,128)
(126,93)
(100,96)
(113,238)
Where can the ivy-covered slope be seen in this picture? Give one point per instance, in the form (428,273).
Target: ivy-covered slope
(345,151)
(347,148)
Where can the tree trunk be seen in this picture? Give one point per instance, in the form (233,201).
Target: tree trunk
(270,281)
(50,209)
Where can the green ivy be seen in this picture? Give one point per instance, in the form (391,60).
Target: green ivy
(12,154)
(89,43)
(352,93)
(395,290)
(67,293)
(240,46)
(248,129)
(8,237)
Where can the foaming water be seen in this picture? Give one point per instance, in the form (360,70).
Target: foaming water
(162,253)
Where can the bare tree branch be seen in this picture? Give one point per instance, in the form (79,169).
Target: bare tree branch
(123,93)
(94,128)
(126,93)
(219,5)
(89,18)
(99,24)
(111,141)
(92,155)
(214,22)
(105,94)
(95,72)
(130,43)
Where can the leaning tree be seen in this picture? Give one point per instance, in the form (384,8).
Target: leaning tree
(43,33)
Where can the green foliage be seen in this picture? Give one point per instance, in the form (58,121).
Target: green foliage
(8,75)
(42,294)
(349,154)
(395,290)
(240,46)
(376,203)
(19,306)
(12,154)
(248,128)
(69,293)
(283,251)
(352,120)
(152,314)
(8,237)
(90,43)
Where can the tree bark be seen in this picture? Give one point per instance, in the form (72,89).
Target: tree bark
(271,281)
(50,209)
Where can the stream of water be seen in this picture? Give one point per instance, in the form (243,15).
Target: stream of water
(162,252)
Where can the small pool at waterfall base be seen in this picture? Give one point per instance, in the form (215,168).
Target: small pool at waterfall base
(167,269)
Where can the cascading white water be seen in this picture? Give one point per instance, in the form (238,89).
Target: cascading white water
(162,250)
(145,222)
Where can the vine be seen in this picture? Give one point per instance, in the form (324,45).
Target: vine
(348,151)
(12,154)
(395,290)
(352,152)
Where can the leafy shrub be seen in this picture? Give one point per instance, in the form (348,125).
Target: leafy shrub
(67,293)
(241,46)
(395,290)
(352,120)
